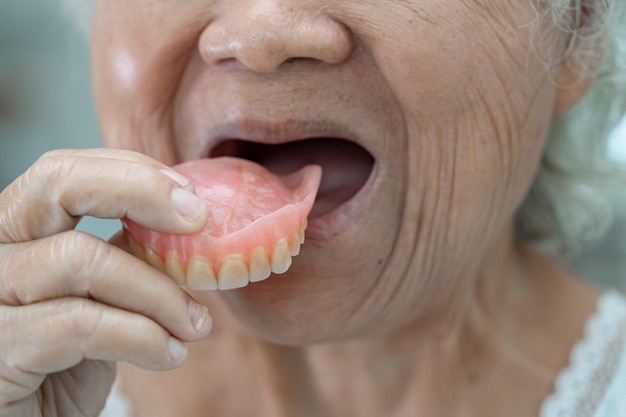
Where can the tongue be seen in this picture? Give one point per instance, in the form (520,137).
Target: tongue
(346,165)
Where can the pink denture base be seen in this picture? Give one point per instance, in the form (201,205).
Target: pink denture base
(250,207)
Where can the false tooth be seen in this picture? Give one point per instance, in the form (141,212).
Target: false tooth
(200,275)
(301,231)
(294,245)
(281,258)
(233,273)
(136,249)
(259,265)
(174,269)
(154,259)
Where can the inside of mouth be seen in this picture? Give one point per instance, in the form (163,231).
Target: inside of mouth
(346,166)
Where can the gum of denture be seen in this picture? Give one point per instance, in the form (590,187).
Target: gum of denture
(233,272)
(251,210)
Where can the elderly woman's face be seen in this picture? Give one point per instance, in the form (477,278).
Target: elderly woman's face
(441,104)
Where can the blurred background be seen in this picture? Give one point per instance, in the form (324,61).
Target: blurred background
(45,91)
(46,103)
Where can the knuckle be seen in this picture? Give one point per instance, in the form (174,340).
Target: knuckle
(73,242)
(49,154)
(46,156)
(41,174)
(28,207)
(48,162)
(82,252)
(51,167)
(81,319)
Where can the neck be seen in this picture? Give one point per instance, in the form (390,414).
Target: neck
(499,351)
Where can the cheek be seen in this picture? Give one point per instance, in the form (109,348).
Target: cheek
(479,107)
(138,57)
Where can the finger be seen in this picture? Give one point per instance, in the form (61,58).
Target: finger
(75,264)
(120,240)
(111,153)
(95,379)
(56,335)
(124,155)
(65,185)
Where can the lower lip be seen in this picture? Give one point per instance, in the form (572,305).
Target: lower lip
(329,225)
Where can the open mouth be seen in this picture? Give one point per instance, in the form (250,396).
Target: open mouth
(261,199)
(346,166)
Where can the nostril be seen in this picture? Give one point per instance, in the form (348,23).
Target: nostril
(262,38)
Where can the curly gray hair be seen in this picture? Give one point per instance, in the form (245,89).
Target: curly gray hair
(568,205)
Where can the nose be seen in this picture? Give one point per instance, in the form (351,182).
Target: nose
(262,35)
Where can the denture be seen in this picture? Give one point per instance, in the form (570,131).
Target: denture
(256,225)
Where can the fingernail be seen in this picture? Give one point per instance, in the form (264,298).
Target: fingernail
(199,315)
(178,351)
(173,175)
(187,203)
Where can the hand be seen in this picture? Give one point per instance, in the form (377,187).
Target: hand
(72,304)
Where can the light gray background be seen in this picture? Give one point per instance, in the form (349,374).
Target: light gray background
(44,72)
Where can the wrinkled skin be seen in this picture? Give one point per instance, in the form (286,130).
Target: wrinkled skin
(423,304)
(65,310)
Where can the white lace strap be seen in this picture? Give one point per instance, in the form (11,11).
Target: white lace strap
(116,405)
(579,388)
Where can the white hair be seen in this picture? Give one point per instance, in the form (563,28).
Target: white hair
(568,205)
